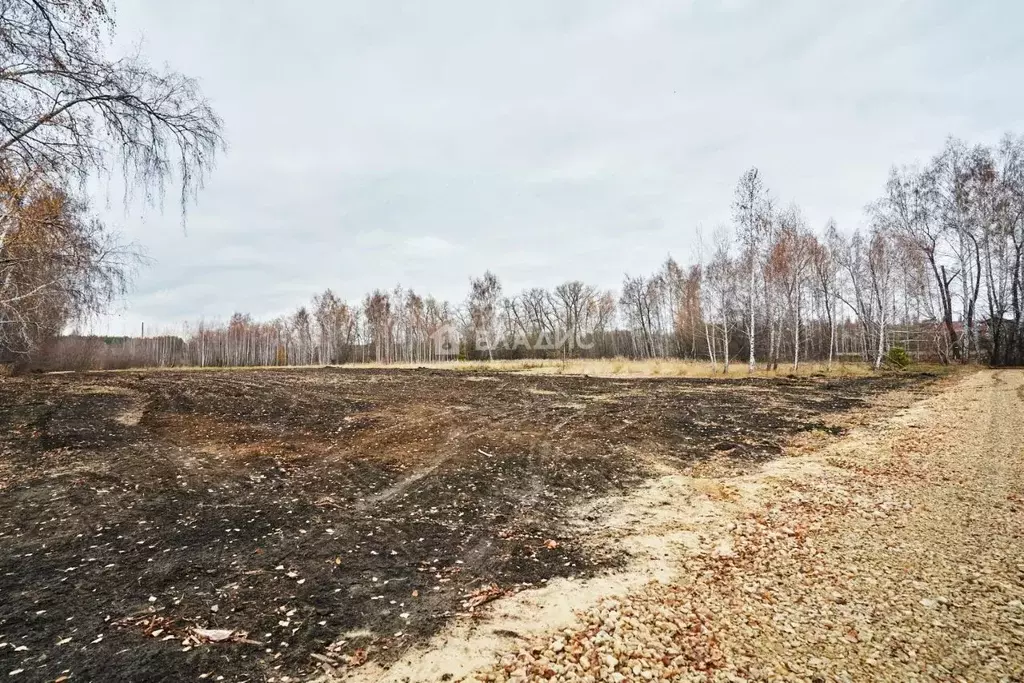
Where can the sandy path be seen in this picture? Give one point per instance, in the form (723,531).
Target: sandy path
(894,554)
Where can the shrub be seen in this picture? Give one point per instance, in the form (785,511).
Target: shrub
(897,357)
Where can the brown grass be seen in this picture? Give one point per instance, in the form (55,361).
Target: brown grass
(598,367)
(625,367)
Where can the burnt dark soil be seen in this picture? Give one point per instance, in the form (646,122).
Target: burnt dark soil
(302,509)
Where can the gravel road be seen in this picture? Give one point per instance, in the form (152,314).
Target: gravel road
(896,554)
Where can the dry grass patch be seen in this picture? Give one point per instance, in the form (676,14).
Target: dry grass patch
(626,367)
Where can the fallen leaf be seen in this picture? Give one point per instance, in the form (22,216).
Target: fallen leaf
(214,635)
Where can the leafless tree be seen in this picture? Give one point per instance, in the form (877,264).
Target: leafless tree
(573,303)
(722,284)
(826,273)
(67,108)
(380,322)
(909,208)
(751,213)
(961,178)
(882,261)
(335,325)
(640,300)
(1004,252)
(484,294)
(790,262)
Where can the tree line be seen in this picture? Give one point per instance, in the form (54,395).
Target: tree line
(936,272)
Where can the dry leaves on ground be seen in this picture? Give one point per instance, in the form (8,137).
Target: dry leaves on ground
(901,559)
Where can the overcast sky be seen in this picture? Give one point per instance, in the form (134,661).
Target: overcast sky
(378,142)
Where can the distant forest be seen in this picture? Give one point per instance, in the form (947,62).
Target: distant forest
(938,274)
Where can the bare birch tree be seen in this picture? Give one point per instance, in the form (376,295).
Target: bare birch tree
(484,294)
(826,271)
(67,108)
(749,214)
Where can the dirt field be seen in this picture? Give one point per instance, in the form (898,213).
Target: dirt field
(895,553)
(330,515)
